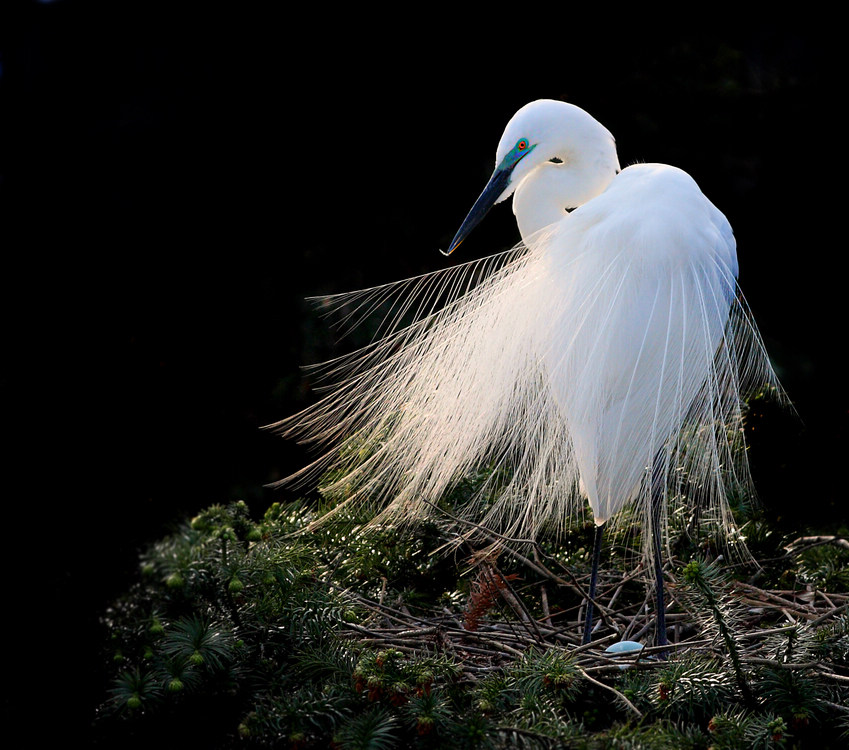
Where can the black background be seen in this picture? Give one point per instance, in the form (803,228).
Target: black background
(176,178)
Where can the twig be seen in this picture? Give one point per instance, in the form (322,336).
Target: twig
(827,615)
(512,598)
(594,644)
(786,606)
(619,696)
(769,631)
(815,541)
(633,621)
(780,664)
(543,593)
(542,570)
(546,612)
(485,531)
(498,645)
(838,677)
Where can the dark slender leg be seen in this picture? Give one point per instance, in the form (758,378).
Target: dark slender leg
(656,511)
(658,582)
(588,621)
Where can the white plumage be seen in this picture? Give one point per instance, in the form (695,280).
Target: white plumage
(611,343)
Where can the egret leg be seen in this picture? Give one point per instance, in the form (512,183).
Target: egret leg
(656,510)
(588,621)
(658,576)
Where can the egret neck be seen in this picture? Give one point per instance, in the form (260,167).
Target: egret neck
(554,188)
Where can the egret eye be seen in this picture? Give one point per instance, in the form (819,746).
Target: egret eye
(522,148)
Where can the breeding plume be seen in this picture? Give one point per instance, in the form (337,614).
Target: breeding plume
(603,361)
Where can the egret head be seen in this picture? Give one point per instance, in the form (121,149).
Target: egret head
(539,132)
(545,126)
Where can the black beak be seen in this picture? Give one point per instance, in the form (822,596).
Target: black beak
(494,188)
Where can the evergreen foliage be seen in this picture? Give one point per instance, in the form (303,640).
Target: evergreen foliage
(267,634)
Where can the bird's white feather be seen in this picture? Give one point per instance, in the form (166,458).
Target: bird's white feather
(607,343)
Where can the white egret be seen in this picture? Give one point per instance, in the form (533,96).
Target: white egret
(605,358)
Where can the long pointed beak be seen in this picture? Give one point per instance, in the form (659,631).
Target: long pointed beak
(494,188)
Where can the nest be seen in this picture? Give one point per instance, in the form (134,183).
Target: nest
(499,625)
